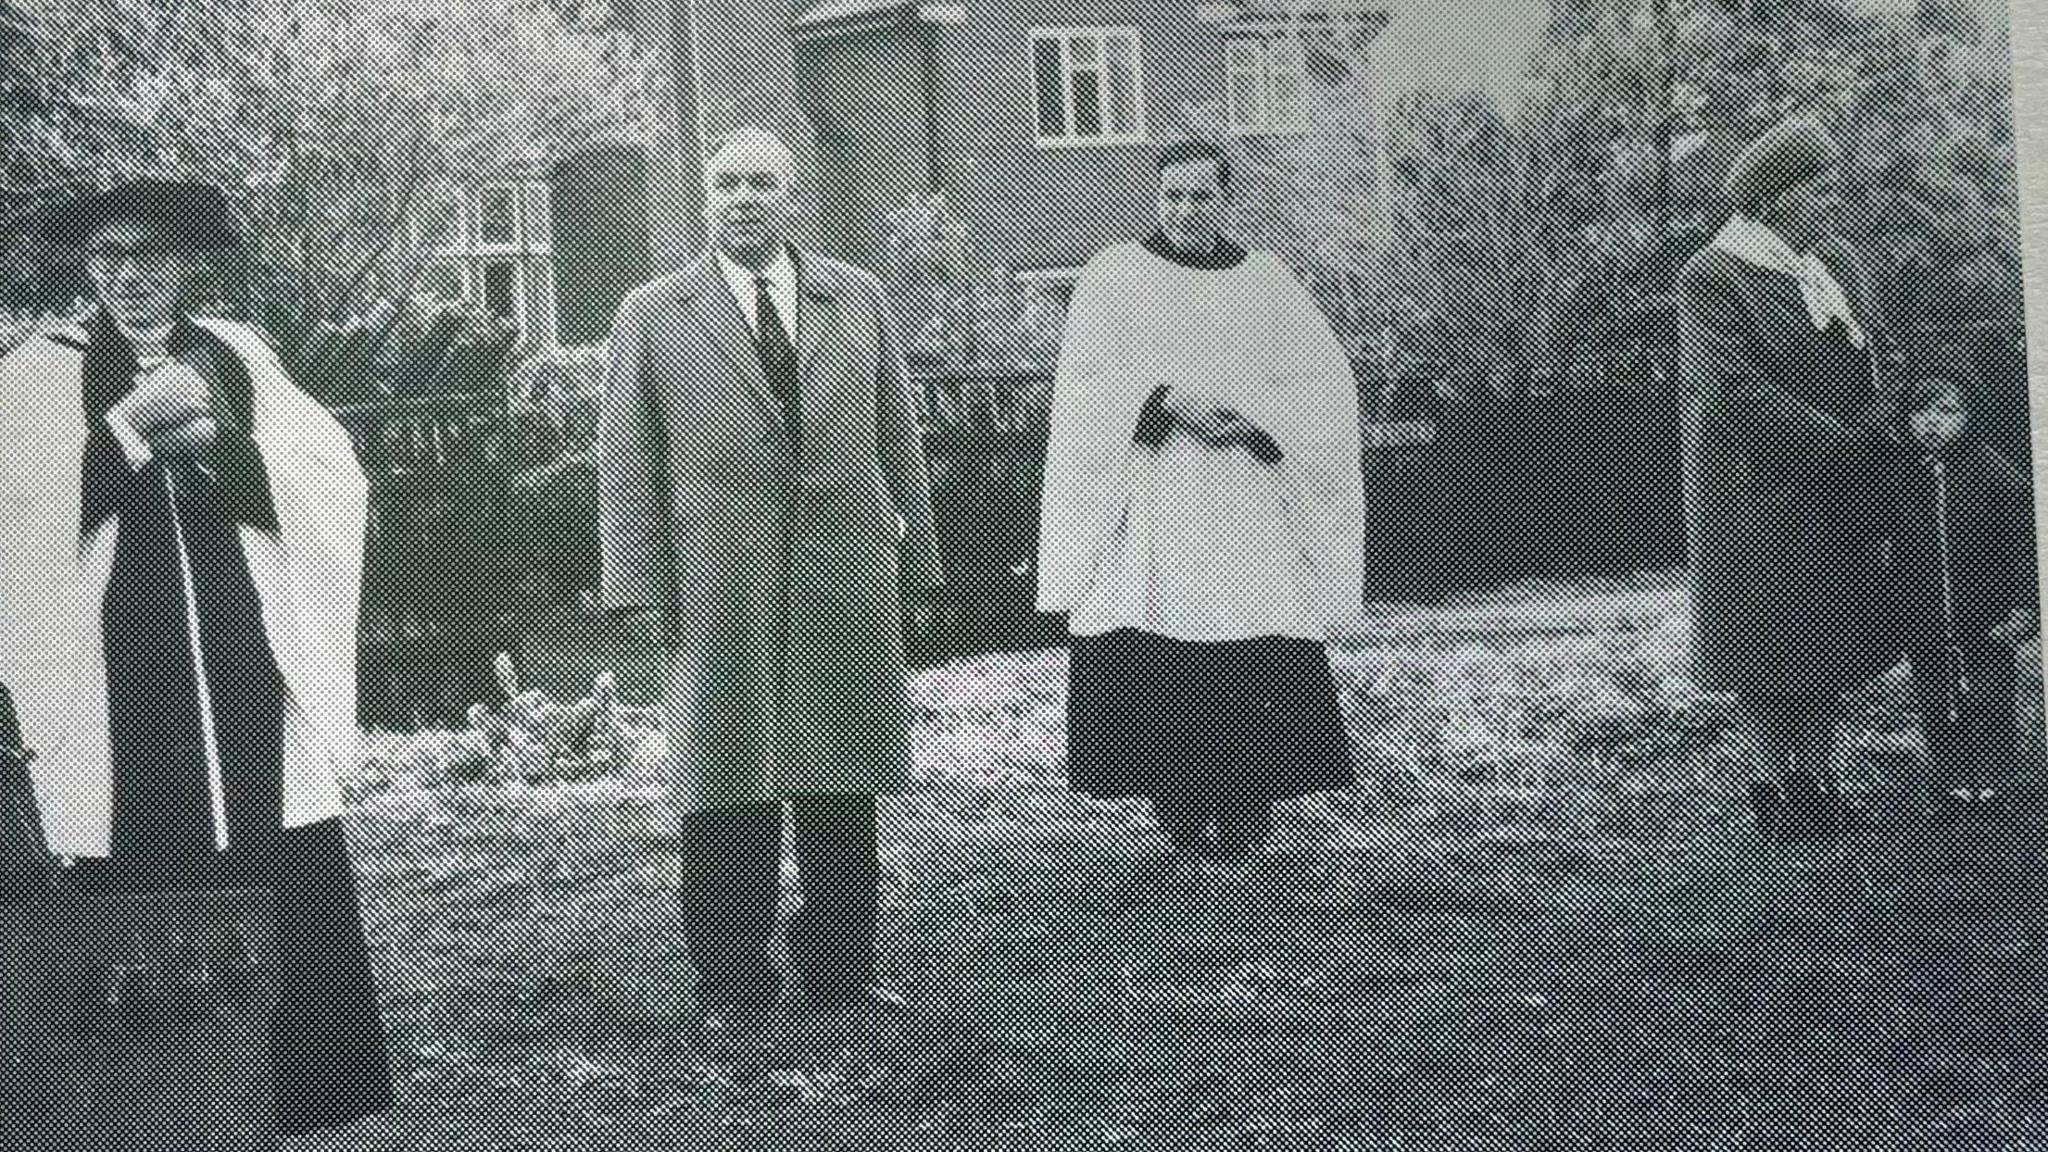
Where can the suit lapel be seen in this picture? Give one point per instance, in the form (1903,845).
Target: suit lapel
(718,316)
(817,310)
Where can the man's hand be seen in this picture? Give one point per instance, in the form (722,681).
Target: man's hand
(190,441)
(642,625)
(1218,426)
(2017,627)
(1204,417)
(165,398)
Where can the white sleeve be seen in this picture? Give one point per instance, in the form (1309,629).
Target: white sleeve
(1095,406)
(1323,465)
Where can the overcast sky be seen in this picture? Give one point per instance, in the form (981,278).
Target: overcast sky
(1457,44)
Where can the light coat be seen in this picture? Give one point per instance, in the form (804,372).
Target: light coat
(778,576)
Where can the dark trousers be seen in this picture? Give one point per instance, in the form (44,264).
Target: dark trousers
(1969,714)
(1240,825)
(732,860)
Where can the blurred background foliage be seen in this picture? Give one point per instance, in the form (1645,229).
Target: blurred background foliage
(331,123)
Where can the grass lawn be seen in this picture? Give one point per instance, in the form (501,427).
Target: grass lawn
(1542,922)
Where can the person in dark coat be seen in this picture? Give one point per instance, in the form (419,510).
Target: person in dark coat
(183,558)
(1965,583)
(1779,344)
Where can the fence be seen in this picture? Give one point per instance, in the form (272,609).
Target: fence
(484,510)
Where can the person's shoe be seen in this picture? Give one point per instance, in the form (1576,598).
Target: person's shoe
(1810,810)
(731,1023)
(839,1015)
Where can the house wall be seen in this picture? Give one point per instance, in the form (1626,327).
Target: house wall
(866,97)
(1025,206)
(1032,207)
(746,67)
(737,59)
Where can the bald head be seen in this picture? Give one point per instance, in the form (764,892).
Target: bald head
(751,149)
(746,195)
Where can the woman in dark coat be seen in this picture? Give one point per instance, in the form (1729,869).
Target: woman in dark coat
(183,559)
(1778,339)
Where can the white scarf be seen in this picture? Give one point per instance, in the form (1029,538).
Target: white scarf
(1757,244)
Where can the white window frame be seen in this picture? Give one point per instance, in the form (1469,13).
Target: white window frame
(530,252)
(1269,118)
(515,194)
(1065,38)
(519,280)
(536,226)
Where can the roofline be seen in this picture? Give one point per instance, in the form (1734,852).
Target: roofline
(896,15)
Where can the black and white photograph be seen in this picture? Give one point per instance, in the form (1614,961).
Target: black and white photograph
(1037,575)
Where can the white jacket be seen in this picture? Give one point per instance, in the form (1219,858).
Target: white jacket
(1188,541)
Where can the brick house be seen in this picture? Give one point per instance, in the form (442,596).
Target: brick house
(1033,120)
(1036,120)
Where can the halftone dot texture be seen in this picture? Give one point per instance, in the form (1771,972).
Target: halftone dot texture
(1542,918)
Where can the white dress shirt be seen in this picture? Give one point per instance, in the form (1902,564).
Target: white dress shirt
(781,274)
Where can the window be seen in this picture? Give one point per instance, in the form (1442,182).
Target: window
(1268,75)
(501,295)
(537,227)
(497,217)
(1089,86)
(490,247)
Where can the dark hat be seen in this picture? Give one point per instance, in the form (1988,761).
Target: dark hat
(1793,152)
(191,217)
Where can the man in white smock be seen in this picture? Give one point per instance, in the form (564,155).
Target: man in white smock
(1203,523)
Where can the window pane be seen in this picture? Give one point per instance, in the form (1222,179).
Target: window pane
(1244,101)
(537,222)
(1087,91)
(1286,86)
(1123,86)
(1052,116)
(497,217)
(501,288)
(1083,52)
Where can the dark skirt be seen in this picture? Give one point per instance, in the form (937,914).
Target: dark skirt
(1247,720)
(151,985)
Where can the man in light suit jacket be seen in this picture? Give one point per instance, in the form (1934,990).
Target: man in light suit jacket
(766,515)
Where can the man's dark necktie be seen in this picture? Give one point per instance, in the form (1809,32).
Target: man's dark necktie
(778,355)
